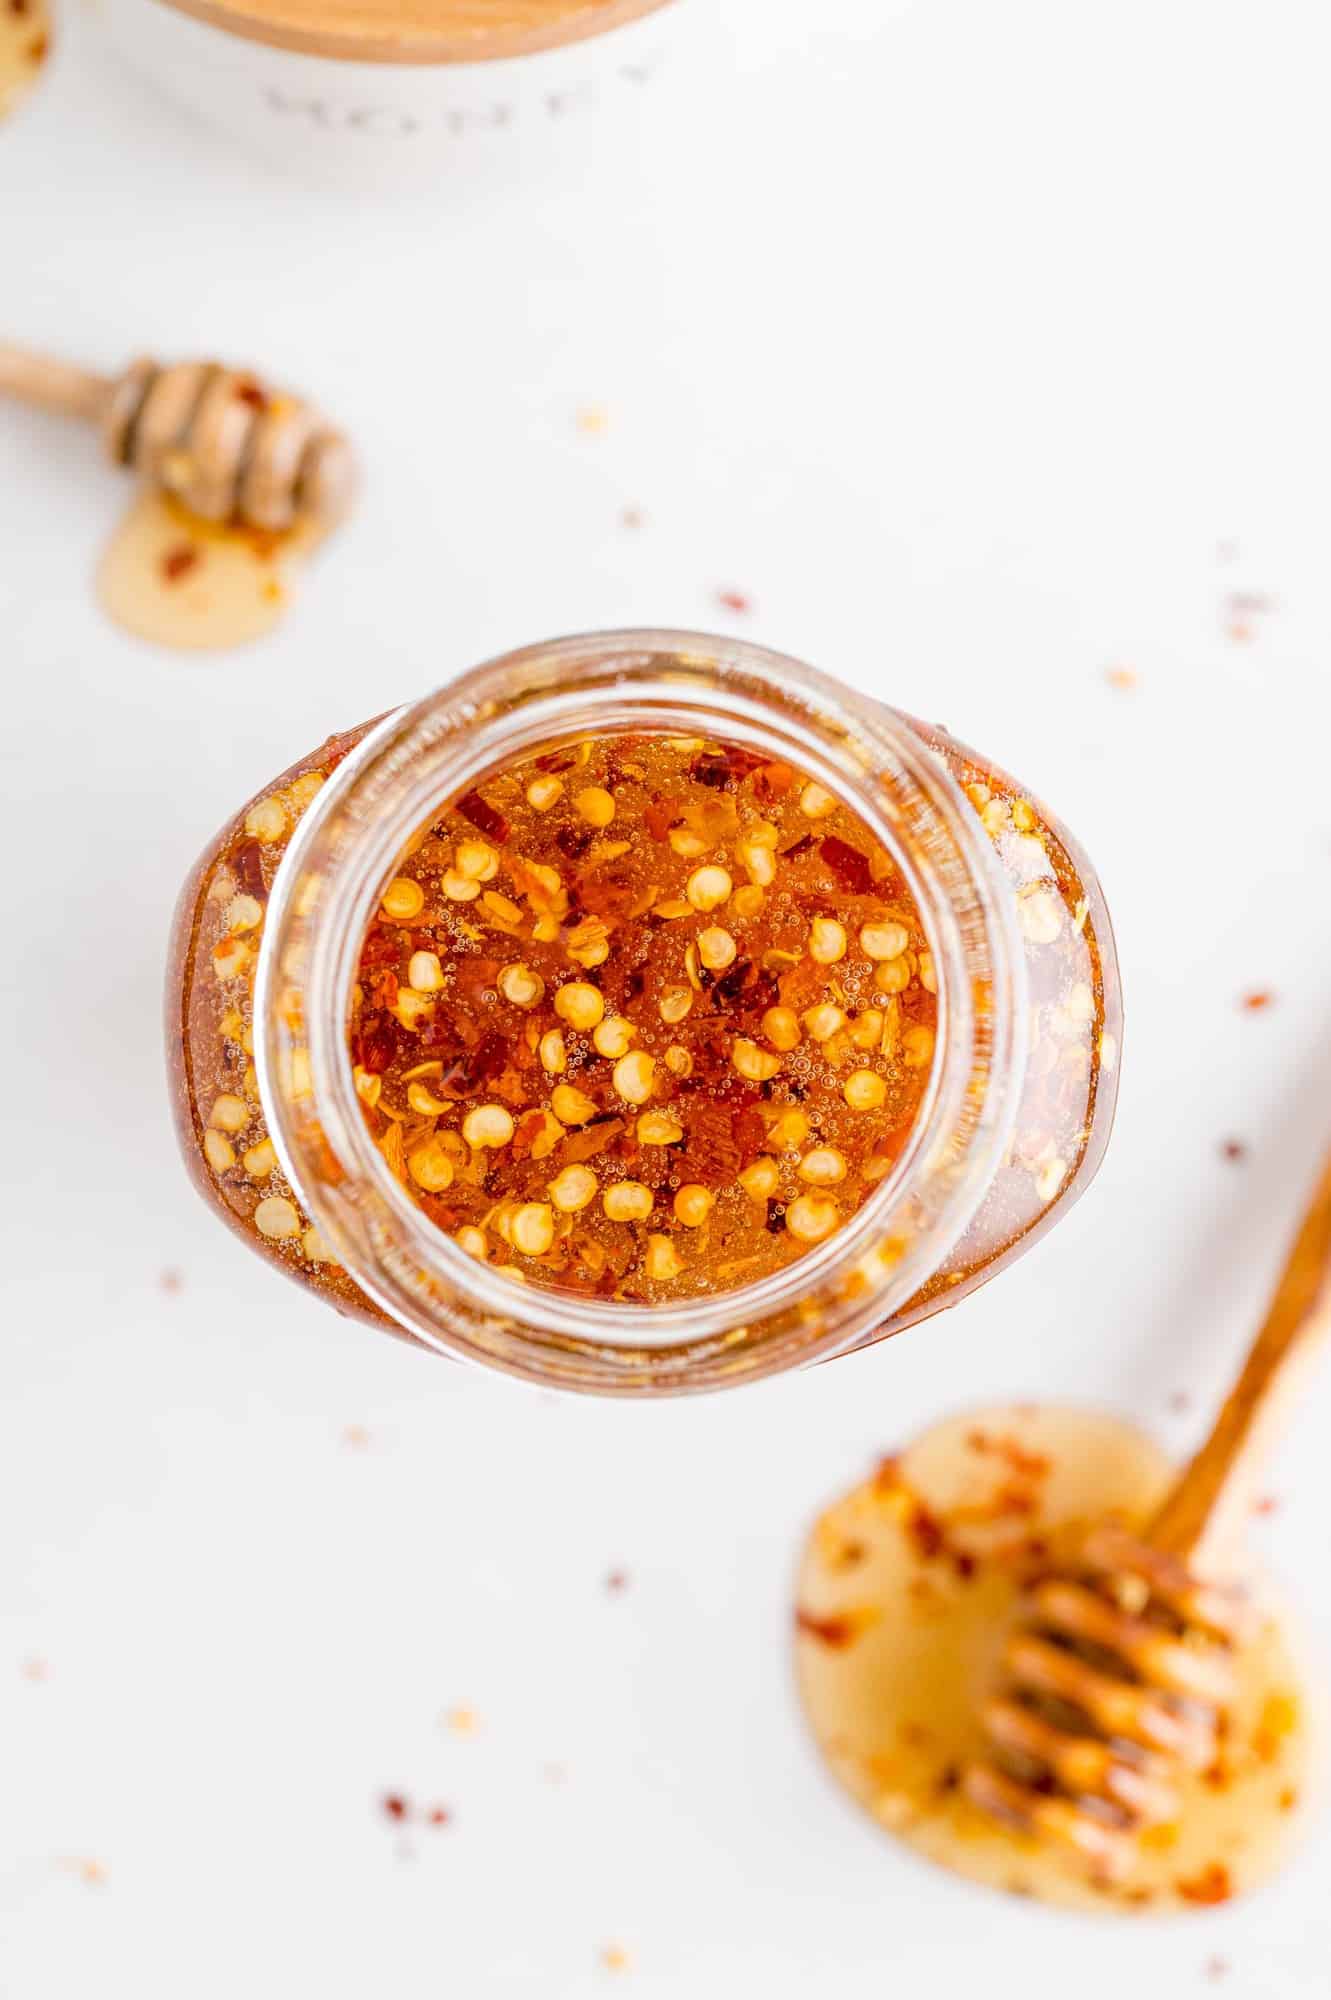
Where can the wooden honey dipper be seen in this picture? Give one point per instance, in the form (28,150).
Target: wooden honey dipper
(216,439)
(1122,1676)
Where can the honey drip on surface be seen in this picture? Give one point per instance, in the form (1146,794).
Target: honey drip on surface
(25,44)
(198,586)
(908,1589)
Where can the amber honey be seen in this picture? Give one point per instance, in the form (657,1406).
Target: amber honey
(644,1016)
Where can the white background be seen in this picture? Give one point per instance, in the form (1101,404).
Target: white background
(985,346)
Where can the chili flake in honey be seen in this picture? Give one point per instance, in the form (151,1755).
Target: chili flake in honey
(644,1017)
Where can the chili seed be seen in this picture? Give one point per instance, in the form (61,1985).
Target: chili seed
(627,1201)
(488,1125)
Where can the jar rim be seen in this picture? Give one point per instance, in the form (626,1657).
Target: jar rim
(346,849)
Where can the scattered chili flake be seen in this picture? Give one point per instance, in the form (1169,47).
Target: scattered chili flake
(179,560)
(95,1873)
(1266,1503)
(248,391)
(617,1580)
(1233,1150)
(837,1632)
(438,1816)
(735,600)
(171,1281)
(394,1806)
(1253,1003)
(483,816)
(926,1531)
(1212,1884)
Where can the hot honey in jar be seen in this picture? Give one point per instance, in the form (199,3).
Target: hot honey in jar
(643,1013)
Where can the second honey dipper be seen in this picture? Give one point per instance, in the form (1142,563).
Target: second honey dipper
(1123,1672)
(217,439)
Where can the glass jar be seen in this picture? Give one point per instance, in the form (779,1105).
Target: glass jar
(1012,1126)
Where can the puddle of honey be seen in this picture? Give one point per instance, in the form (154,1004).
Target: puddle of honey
(908,1588)
(198,585)
(25,42)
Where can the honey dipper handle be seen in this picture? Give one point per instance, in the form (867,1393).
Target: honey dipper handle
(1204,1514)
(52,384)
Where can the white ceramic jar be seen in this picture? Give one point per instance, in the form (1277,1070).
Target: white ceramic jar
(402,93)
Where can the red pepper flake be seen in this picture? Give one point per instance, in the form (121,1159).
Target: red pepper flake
(376,1042)
(179,560)
(487,819)
(735,600)
(850,867)
(1031,1464)
(172,1282)
(395,1806)
(926,1531)
(1213,1884)
(617,1581)
(1249,603)
(248,391)
(1267,1504)
(773,780)
(1253,1003)
(835,1632)
(1233,1150)
(439,1816)
(247,865)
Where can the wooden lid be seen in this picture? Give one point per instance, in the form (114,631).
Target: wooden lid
(416,31)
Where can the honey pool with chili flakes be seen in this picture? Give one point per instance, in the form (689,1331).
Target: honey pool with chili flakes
(644,1017)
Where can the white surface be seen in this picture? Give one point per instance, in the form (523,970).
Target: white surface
(959,335)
